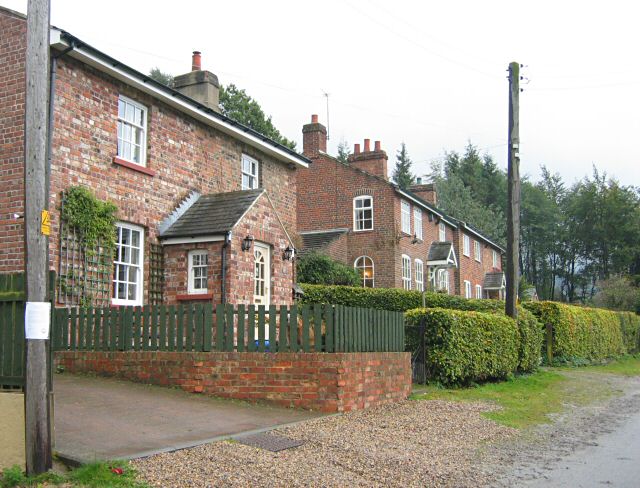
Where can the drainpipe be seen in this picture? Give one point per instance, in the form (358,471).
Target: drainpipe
(50,122)
(227,241)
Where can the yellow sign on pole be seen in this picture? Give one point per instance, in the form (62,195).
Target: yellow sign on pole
(45,226)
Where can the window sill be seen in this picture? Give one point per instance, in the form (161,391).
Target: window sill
(194,296)
(133,166)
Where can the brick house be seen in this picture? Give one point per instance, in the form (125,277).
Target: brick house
(206,206)
(395,238)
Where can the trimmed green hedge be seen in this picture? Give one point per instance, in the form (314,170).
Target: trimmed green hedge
(463,347)
(581,333)
(630,326)
(531,330)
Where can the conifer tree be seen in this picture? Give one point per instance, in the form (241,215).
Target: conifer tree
(402,174)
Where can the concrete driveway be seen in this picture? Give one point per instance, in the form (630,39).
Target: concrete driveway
(104,418)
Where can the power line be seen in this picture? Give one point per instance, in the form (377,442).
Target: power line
(420,45)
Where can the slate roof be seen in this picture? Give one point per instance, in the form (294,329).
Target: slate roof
(213,214)
(439,251)
(494,281)
(317,240)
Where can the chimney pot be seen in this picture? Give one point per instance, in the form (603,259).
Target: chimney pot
(418,180)
(356,149)
(367,145)
(314,119)
(377,146)
(196,61)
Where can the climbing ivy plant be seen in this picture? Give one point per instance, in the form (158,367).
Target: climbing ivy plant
(87,246)
(92,219)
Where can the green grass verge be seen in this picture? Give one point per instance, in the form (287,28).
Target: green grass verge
(116,474)
(529,399)
(627,366)
(525,400)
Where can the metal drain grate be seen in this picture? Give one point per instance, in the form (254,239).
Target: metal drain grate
(269,442)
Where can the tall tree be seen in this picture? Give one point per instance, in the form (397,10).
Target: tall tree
(402,172)
(236,104)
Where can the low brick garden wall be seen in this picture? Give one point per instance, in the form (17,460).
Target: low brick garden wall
(329,382)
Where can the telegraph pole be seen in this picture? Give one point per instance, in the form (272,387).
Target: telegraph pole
(513,193)
(36,221)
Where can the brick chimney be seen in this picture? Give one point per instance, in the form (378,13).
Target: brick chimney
(373,162)
(426,191)
(202,86)
(314,137)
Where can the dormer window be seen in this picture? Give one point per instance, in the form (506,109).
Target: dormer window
(363,213)
(249,173)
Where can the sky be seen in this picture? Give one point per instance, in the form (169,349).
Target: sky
(430,74)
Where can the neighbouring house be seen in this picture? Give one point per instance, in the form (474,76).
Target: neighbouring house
(395,238)
(206,206)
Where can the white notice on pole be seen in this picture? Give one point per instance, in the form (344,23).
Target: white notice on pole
(37,320)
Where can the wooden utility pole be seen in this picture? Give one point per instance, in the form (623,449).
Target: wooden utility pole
(37,321)
(513,193)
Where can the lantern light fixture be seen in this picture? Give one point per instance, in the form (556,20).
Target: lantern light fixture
(247,242)
(289,253)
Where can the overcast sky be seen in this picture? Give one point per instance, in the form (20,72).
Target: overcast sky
(431,74)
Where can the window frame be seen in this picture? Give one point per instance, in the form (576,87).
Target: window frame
(417,222)
(442,232)
(356,220)
(255,177)
(143,128)
(117,263)
(364,279)
(495,258)
(406,279)
(479,292)
(477,251)
(443,272)
(405,216)
(191,289)
(466,245)
(419,274)
(467,289)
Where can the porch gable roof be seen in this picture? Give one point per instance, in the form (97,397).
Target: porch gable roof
(213,214)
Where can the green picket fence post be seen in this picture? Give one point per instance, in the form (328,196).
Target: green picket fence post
(229,332)
(283,332)
(241,328)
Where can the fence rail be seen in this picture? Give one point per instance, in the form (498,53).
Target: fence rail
(203,327)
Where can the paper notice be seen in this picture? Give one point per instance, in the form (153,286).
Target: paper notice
(37,320)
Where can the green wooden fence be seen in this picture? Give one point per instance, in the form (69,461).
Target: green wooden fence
(203,327)
(12,346)
(12,303)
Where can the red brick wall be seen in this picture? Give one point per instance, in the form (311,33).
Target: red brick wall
(12,97)
(325,201)
(468,268)
(338,382)
(184,153)
(262,223)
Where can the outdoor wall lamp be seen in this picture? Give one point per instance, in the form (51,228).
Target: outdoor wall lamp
(247,242)
(289,253)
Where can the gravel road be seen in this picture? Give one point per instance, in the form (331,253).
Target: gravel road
(418,443)
(414,443)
